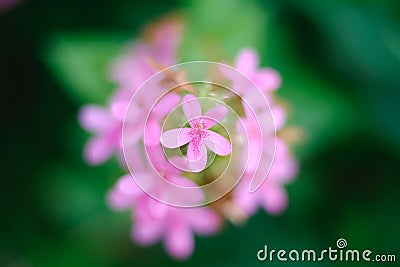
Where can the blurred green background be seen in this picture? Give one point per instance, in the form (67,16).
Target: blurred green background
(340,62)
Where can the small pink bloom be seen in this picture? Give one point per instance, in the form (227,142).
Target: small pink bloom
(257,136)
(266,79)
(198,136)
(154,220)
(247,62)
(271,195)
(130,71)
(99,121)
(140,62)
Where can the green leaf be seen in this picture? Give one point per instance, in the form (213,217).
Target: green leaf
(81,63)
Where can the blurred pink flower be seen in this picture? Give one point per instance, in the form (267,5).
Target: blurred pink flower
(271,195)
(258,137)
(247,62)
(107,132)
(106,125)
(154,220)
(146,57)
(266,79)
(198,136)
(130,72)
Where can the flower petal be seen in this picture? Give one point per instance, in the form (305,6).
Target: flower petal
(98,150)
(279,115)
(118,109)
(152,133)
(243,199)
(218,143)
(146,233)
(268,79)
(203,220)
(124,194)
(196,155)
(147,229)
(95,119)
(179,237)
(176,137)
(274,198)
(192,196)
(247,61)
(191,107)
(133,132)
(214,115)
(166,104)
(253,155)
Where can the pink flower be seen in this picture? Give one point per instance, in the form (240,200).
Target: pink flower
(145,58)
(107,132)
(259,137)
(266,79)
(247,62)
(198,136)
(106,125)
(130,72)
(154,220)
(271,195)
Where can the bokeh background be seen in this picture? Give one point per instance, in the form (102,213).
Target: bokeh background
(340,62)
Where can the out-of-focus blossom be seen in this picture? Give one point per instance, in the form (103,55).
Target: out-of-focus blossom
(266,79)
(147,56)
(247,62)
(271,195)
(130,71)
(154,220)
(107,132)
(198,136)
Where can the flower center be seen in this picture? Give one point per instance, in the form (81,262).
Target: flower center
(198,131)
(200,125)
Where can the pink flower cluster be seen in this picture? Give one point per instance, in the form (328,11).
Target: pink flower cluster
(153,220)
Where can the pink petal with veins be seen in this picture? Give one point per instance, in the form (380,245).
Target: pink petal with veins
(176,137)
(217,143)
(196,155)
(191,107)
